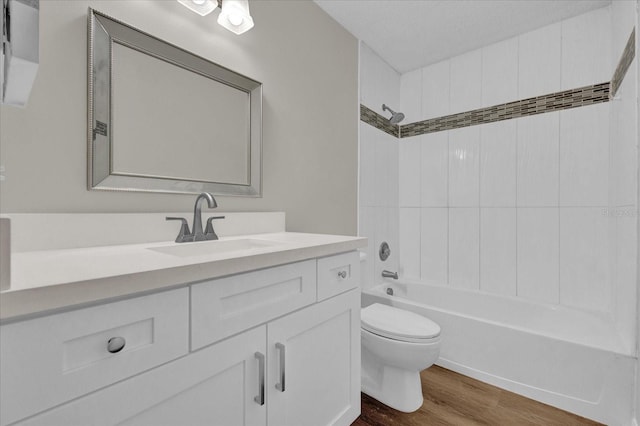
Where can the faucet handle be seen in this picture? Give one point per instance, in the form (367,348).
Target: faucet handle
(209,233)
(184,235)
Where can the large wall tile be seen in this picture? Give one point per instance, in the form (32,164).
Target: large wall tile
(465,89)
(379,83)
(367,228)
(368,77)
(538,164)
(386,173)
(498,250)
(368,135)
(500,72)
(434,243)
(409,264)
(409,169)
(434,169)
(464,175)
(464,247)
(539,61)
(435,90)
(584,258)
(626,250)
(498,143)
(393,162)
(381,170)
(538,251)
(584,156)
(389,88)
(410,96)
(623,183)
(623,14)
(586,49)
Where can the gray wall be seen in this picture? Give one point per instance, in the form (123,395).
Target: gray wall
(306,61)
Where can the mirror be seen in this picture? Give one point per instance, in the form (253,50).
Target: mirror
(162,119)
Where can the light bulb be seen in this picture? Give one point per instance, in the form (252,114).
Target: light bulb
(235,19)
(201,7)
(235,16)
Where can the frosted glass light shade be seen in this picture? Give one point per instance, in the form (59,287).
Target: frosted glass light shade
(201,7)
(235,16)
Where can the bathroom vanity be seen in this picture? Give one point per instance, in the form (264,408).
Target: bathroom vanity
(253,335)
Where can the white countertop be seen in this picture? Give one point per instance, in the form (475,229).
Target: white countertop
(50,280)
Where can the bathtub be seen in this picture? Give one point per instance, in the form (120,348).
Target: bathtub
(568,358)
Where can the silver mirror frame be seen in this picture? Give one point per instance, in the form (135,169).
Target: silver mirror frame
(103,31)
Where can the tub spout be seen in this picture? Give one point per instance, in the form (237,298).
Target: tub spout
(389,274)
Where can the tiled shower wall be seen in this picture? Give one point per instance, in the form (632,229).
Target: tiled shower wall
(540,207)
(499,205)
(378,186)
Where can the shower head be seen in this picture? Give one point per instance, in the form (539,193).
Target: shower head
(396,117)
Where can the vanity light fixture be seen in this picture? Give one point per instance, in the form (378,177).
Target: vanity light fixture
(234,15)
(201,7)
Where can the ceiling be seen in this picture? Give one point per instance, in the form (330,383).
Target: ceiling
(410,34)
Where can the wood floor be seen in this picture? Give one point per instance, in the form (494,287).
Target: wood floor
(453,399)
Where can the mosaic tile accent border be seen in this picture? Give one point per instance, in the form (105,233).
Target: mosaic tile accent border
(371,117)
(574,98)
(625,62)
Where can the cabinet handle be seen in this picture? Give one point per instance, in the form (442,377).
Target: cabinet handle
(116,344)
(342,274)
(280,348)
(260,398)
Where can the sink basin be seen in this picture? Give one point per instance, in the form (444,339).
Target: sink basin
(203,248)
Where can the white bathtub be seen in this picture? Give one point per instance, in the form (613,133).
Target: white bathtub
(564,357)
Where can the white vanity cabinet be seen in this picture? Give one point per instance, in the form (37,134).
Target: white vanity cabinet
(278,346)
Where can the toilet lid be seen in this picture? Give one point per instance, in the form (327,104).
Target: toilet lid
(397,323)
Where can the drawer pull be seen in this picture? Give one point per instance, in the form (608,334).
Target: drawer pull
(280,348)
(116,344)
(260,398)
(342,274)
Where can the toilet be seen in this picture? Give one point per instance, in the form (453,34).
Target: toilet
(396,346)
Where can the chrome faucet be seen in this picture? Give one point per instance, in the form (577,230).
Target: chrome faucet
(389,274)
(198,234)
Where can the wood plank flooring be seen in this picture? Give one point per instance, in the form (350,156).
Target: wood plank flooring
(453,399)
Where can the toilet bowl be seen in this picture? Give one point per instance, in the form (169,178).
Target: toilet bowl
(396,346)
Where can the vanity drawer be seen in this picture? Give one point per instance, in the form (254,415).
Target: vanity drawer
(337,274)
(66,355)
(226,306)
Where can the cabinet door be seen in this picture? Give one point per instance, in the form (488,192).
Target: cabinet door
(314,364)
(217,385)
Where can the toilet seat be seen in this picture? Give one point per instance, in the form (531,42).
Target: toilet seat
(398,324)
